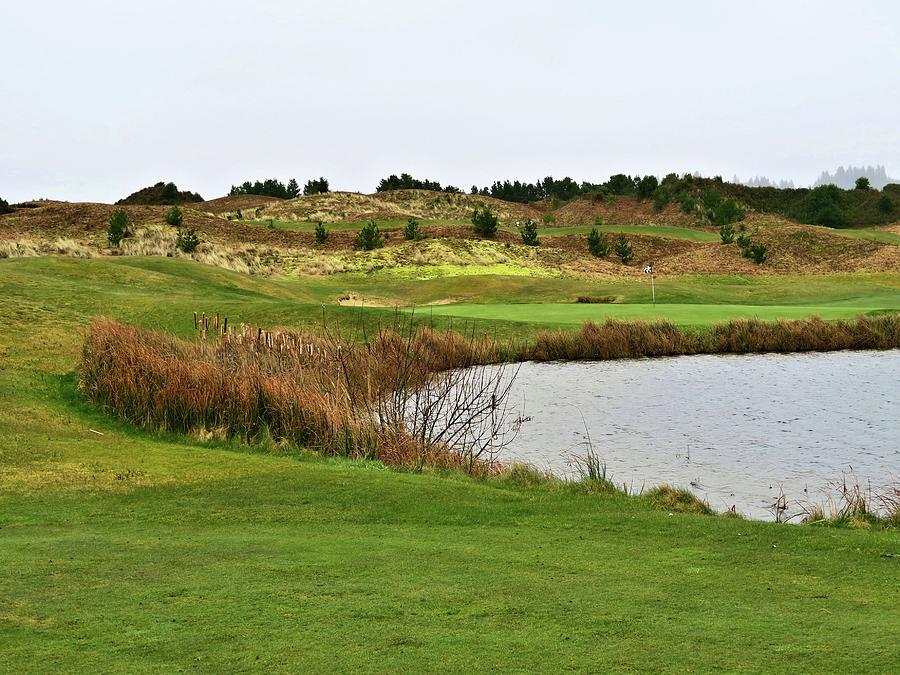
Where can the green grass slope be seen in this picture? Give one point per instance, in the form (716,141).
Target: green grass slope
(122,550)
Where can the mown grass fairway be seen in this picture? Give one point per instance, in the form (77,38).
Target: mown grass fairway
(871,234)
(145,552)
(677,313)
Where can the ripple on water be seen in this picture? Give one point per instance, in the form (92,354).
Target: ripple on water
(740,428)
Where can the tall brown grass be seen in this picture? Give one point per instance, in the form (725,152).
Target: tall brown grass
(378,400)
(620,339)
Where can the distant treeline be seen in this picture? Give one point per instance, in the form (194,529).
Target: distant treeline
(161,194)
(272,187)
(406,182)
(518,191)
(712,199)
(826,205)
(846,178)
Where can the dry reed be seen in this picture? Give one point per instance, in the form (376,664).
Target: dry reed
(620,339)
(380,400)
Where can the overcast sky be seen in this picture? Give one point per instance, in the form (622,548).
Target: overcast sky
(102,97)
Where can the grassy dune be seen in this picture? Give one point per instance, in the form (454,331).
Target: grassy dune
(151,552)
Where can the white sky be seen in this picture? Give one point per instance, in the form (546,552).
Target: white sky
(103,97)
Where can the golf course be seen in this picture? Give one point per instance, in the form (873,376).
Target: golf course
(449,337)
(128,549)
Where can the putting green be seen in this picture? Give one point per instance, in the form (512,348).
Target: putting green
(681,314)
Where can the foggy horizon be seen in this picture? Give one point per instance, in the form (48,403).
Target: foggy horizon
(107,99)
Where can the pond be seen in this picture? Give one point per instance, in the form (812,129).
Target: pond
(737,430)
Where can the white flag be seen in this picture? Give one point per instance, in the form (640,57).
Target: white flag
(648,269)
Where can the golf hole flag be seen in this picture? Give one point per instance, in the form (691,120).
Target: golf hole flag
(648,269)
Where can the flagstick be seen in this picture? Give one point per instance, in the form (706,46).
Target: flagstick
(653,288)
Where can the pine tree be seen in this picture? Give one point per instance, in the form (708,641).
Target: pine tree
(623,250)
(484,222)
(117,229)
(598,244)
(321,233)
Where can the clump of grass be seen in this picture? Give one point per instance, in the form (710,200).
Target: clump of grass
(524,476)
(856,506)
(596,299)
(19,249)
(72,248)
(677,500)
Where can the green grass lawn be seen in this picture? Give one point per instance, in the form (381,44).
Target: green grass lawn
(871,234)
(133,551)
(556,314)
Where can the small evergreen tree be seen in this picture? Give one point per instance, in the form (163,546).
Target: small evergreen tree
(726,232)
(175,216)
(646,186)
(885,205)
(661,196)
(5,207)
(369,237)
(321,233)
(315,187)
(484,222)
(756,252)
(598,245)
(623,250)
(293,189)
(620,184)
(187,240)
(118,226)
(687,202)
(862,183)
(744,241)
(529,233)
(412,232)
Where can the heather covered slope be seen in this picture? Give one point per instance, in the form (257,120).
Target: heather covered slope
(281,233)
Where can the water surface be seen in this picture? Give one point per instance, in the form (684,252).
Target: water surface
(736,430)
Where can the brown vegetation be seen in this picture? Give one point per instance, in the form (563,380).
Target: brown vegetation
(380,400)
(620,339)
(616,210)
(332,207)
(792,248)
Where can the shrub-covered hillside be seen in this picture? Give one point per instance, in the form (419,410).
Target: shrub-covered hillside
(160,194)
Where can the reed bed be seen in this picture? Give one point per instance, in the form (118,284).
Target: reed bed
(410,400)
(621,339)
